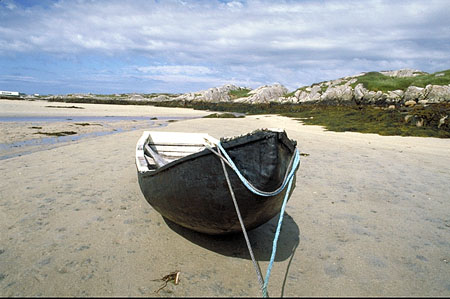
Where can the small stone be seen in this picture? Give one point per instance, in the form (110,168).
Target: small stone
(62,270)
(410,103)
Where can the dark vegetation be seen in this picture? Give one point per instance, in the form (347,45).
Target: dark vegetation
(71,107)
(223,115)
(87,124)
(404,121)
(418,121)
(57,134)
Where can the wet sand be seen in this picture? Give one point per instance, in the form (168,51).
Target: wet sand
(369,217)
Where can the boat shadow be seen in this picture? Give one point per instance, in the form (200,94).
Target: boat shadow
(261,240)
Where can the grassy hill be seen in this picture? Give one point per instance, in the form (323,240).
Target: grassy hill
(378,82)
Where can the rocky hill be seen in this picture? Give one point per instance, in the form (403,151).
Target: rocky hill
(379,88)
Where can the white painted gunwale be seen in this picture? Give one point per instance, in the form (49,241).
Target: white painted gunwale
(170,145)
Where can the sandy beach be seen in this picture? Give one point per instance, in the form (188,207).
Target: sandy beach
(370,214)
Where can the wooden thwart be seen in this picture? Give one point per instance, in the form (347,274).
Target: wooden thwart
(160,161)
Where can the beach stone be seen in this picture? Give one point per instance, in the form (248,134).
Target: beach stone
(373,97)
(410,103)
(394,96)
(359,92)
(437,93)
(413,93)
(443,121)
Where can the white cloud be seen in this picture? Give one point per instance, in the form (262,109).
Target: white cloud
(193,40)
(235,5)
(176,69)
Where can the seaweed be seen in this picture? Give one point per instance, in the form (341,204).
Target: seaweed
(57,134)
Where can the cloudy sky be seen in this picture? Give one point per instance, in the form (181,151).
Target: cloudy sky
(175,46)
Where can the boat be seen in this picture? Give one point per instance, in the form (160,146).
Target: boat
(181,176)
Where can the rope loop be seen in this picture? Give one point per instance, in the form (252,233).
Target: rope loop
(290,171)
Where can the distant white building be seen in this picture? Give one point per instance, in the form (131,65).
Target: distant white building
(9,93)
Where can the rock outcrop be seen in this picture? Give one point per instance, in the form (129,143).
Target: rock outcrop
(264,94)
(214,95)
(344,91)
(403,73)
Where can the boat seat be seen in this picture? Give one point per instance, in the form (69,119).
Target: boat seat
(156,157)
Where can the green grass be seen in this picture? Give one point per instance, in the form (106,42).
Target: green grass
(378,82)
(239,93)
(290,94)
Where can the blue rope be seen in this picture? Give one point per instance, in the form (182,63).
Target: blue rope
(250,186)
(275,239)
(288,181)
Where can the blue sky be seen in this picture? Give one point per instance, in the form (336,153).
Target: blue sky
(175,46)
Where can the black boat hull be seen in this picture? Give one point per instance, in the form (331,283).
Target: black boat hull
(194,193)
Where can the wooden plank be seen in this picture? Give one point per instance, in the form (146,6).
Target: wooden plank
(177,138)
(150,162)
(181,149)
(160,161)
(174,155)
(175,144)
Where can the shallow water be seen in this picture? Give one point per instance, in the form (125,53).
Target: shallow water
(15,149)
(84,118)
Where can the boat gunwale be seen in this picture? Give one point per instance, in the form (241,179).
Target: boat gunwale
(227,144)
